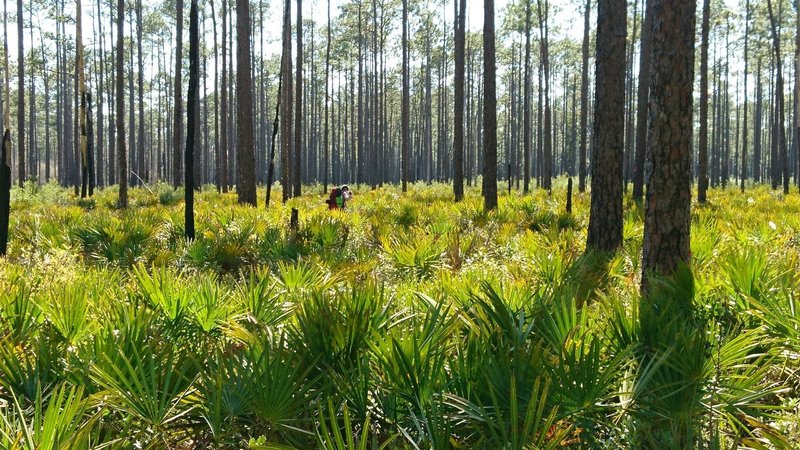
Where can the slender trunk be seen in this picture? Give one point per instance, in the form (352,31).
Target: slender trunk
(223,106)
(702,184)
(5,190)
(192,103)
(489,109)
(744,119)
(643,101)
(245,155)
(298,109)
(458,114)
(177,126)
(121,151)
(20,98)
(779,163)
(286,129)
(140,132)
(327,102)
(405,113)
(605,220)
(668,202)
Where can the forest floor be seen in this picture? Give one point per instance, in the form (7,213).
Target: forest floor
(406,319)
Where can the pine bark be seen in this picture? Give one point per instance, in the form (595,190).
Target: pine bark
(605,220)
(286,100)
(140,133)
(177,126)
(489,109)
(458,113)
(584,98)
(121,151)
(192,103)
(668,200)
(642,101)
(245,156)
(405,113)
(5,190)
(702,169)
(298,108)
(20,99)
(744,119)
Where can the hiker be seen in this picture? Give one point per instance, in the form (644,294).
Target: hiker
(339,197)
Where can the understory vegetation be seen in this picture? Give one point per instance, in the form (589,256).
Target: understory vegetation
(405,321)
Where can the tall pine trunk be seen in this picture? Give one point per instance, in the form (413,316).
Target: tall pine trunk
(489,109)
(702,169)
(668,201)
(121,151)
(405,112)
(584,98)
(605,220)
(458,114)
(245,155)
(192,103)
(286,100)
(642,102)
(20,98)
(177,126)
(298,108)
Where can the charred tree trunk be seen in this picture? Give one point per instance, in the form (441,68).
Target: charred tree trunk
(5,190)
(192,103)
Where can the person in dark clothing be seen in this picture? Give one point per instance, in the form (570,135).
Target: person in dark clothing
(339,197)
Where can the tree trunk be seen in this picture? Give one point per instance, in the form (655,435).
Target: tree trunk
(458,114)
(642,101)
(702,169)
(405,113)
(245,156)
(328,102)
(223,106)
(605,220)
(298,109)
(81,100)
(797,94)
(20,98)
(100,103)
(744,119)
(489,109)
(668,202)
(177,126)
(121,152)
(547,144)
(192,102)
(584,98)
(286,115)
(779,163)
(140,133)
(5,190)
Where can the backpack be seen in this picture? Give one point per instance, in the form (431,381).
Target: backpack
(335,201)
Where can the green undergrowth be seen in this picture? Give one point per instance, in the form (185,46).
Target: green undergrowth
(406,321)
